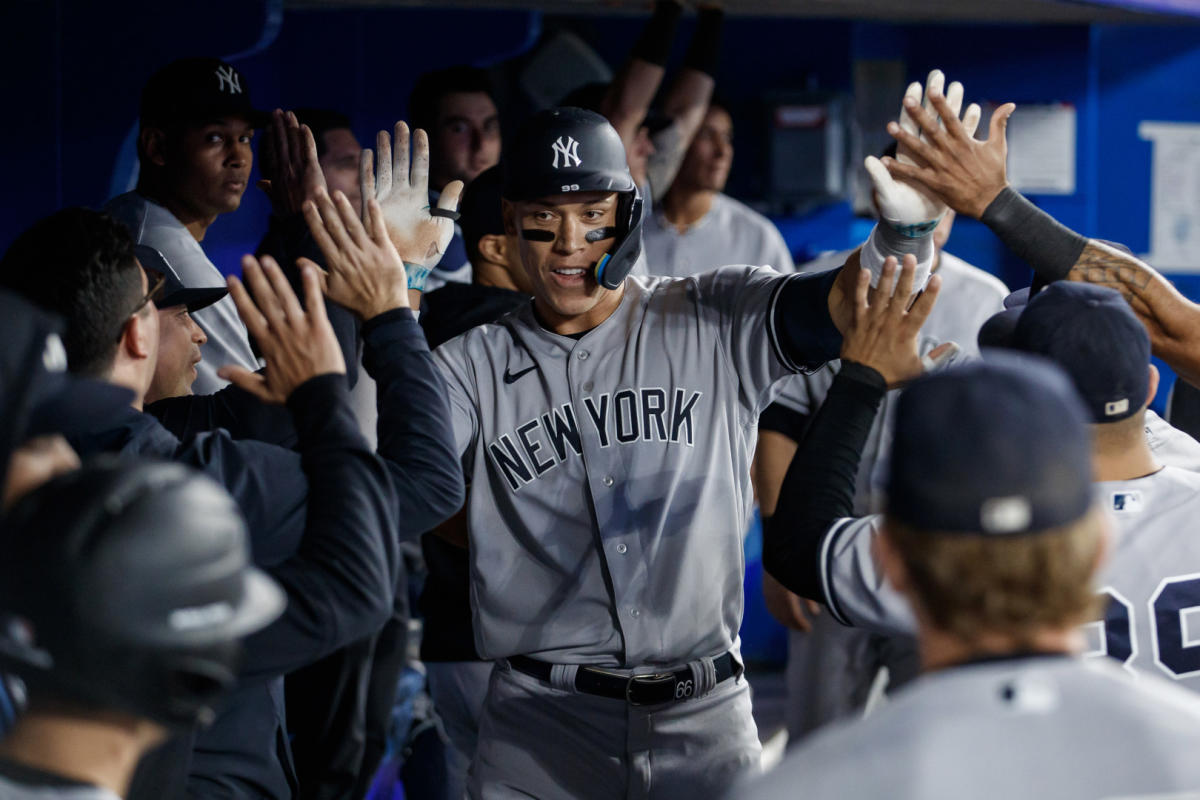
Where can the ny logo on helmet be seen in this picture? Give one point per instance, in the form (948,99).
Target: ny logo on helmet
(227,75)
(568,151)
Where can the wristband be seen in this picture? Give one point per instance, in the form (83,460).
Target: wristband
(886,241)
(654,45)
(704,51)
(417,273)
(1034,236)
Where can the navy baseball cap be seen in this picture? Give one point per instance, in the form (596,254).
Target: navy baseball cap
(196,90)
(173,292)
(996,447)
(1092,334)
(37,394)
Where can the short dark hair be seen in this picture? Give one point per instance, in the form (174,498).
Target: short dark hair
(433,86)
(79,264)
(479,211)
(320,121)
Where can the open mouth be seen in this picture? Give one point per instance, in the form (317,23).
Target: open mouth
(570,276)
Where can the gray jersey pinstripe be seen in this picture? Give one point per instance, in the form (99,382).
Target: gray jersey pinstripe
(615,465)
(1033,727)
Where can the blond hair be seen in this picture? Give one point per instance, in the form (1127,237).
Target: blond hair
(972,584)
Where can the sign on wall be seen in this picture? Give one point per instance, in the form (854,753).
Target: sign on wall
(1174,195)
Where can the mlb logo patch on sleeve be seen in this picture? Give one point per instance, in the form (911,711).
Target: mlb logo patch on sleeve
(1127,502)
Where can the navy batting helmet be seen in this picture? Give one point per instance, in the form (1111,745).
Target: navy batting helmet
(565,150)
(128,586)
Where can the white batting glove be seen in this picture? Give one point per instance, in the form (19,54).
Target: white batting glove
(419,233)
(908,213)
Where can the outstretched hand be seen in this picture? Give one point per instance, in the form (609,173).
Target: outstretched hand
(946,160)
(907,205)
(886,325)
(297,342)
(365,273)
(289,163)
(402,191)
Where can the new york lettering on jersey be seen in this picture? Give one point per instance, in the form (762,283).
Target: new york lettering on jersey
(601,463)
(624,417)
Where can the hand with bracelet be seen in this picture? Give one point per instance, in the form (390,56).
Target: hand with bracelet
(419,233)
(970,176)
(909,213)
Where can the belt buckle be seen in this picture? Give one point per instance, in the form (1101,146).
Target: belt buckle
(657,679)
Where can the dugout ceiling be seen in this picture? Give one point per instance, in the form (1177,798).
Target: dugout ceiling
(1033,11)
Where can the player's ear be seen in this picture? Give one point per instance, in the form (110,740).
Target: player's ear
(494,248)
(888,559)
(139,337)
(509,213)
(1153,384)
(152,145)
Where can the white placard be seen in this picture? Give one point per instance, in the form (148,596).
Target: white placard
(1041,149)
(1174,195)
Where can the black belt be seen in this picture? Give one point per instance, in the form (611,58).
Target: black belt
(637,690)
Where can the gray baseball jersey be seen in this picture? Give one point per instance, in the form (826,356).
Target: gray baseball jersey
(730,233)
(1151,579)
(228,342)
(609,473)
(1050,726)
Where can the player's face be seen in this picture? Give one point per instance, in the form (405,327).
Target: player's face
(208,165)
(179,340)
(561,271)
(340,164)
(706,165)
(466,139)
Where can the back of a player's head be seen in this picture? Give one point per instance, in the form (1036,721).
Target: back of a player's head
(1093,334)
(320,121)
(79,264)
(990,498)
(127,586)
(480,211)
(425,100)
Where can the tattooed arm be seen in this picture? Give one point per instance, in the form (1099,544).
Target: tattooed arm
(970,176)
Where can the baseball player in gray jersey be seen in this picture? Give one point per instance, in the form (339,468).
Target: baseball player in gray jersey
(989,545)
(606,430)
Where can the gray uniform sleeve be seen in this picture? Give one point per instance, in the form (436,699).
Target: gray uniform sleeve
(743,302)
(451,358)
(857,592)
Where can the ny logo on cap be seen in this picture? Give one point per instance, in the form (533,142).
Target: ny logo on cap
(229,76)
(568,151)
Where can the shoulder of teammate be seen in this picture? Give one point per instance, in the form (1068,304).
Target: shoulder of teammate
(981,285)
(1170,445)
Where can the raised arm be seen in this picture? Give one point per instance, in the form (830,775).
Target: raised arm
(367,275)
(970,176)
(341,579)
(686,100)
(879,350)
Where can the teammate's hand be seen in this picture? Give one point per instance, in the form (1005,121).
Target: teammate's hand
(945,158)
(290,166)
(297,342)
(885,329)
(403,194)
(788,608)
(905,205)
(365,274)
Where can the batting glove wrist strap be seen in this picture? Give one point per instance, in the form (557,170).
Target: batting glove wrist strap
(1034,236)
(886,241)
(417,273)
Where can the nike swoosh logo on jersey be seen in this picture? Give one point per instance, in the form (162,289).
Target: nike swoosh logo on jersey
(511,377)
